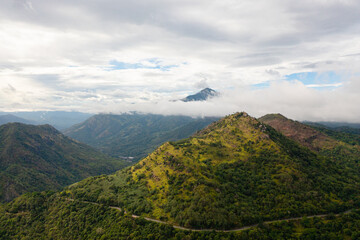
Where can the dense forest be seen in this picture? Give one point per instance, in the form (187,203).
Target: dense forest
(48,216)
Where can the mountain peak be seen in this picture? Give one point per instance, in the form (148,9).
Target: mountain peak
(203,95)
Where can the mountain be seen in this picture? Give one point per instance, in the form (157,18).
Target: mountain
(235,172)
(37,158)
(9,118)
(134,135)
(203,95)
(59,119)
(238,171)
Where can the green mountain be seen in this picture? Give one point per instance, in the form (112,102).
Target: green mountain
(37,158)
(235,172)
(134,135)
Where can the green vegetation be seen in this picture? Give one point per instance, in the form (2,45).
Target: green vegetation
(48,216)
(343,134)
(37,158)
(134,135)
(235,172)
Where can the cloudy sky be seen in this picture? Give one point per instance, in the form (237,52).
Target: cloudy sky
(299,58)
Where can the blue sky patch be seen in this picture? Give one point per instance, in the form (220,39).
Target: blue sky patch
(261,85)
(317,80)
(154,64)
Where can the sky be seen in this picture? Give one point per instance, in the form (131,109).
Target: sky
(297,58)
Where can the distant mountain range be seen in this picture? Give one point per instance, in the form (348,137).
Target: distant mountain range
(203,95)
(37,158)
(9,118)
(59,119)
(134,135)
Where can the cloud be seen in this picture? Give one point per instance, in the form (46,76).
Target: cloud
(57,55)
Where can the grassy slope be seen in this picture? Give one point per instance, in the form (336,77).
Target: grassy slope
(233,173)
(37,158)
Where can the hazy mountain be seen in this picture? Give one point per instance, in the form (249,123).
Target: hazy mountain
(203,95)
(59,119)
(9,118)
(235,172)
(37,158)
(134,135)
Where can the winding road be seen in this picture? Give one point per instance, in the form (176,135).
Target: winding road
(216,230)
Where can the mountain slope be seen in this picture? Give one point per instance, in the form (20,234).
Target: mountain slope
(203,95)
(9,118)
(235,172)
(36,158)
(134,135)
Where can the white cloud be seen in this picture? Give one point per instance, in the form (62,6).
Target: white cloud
(57,54)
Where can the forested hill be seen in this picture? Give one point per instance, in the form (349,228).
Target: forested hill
(134,135)
(37,158)
(235,172)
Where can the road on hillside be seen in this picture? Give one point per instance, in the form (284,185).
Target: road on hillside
(216,230)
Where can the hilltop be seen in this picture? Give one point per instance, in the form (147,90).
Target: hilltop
(235,172)
(37,158)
